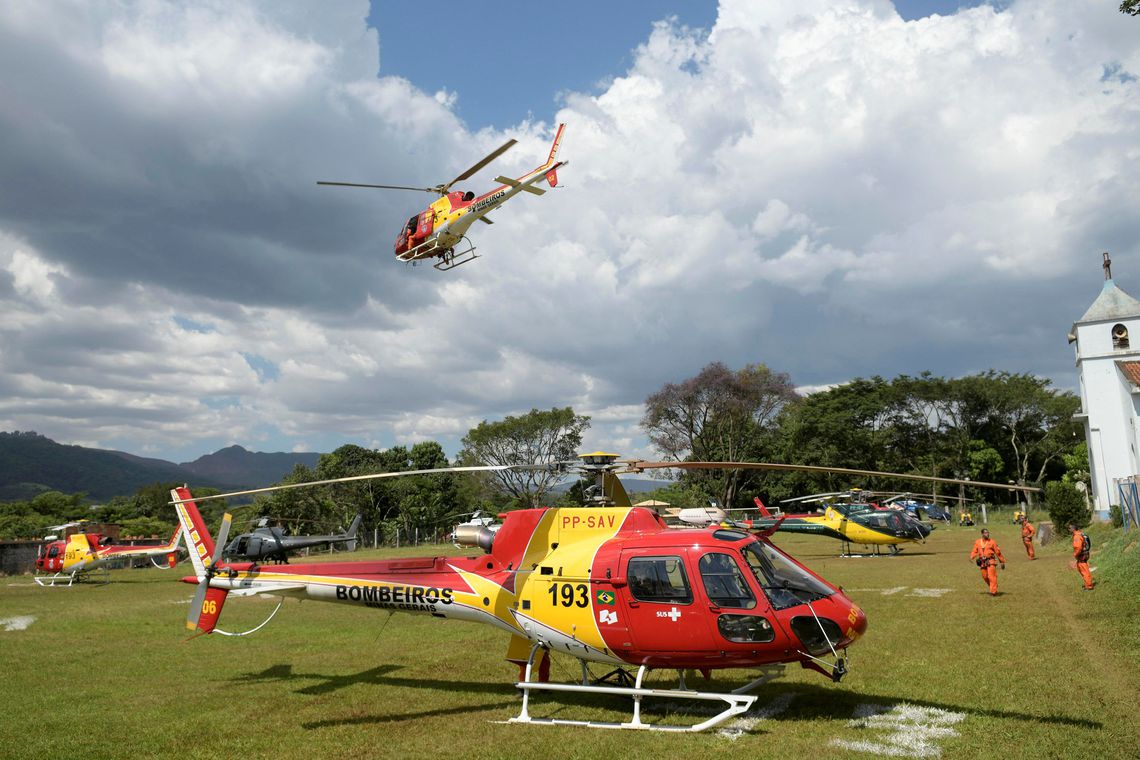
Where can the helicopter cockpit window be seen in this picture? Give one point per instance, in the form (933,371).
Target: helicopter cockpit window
(53,552)
(724,583)
(786,583)
(659,579)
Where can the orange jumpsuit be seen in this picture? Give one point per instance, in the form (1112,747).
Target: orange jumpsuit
(1081,555)
(990,554)
(1027,531)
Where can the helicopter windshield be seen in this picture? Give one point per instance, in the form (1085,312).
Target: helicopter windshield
(786,583)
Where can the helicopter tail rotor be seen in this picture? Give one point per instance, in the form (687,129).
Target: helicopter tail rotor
(207,603)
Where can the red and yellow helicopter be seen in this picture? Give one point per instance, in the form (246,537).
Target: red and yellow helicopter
(606,583)
(74,558)
(439,229)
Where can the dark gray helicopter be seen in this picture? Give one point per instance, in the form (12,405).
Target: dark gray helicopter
(267,543)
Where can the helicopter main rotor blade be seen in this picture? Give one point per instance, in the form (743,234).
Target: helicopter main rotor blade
(638,466)
(350,478)
(442,189)
(382,187)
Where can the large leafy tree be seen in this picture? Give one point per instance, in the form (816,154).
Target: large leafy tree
(1035,421)
(537,437)
(408,503)
(719,415)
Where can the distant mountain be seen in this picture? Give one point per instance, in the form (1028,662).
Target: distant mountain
(253,469)
(31,463)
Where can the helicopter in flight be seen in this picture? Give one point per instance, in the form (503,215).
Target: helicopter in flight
(75,557)
(440,229)
(607,583)
(271,543)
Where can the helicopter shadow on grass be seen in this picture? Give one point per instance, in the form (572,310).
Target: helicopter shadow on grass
(381,676)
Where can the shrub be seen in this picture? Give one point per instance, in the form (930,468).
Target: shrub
(1116,516)
(1066,505)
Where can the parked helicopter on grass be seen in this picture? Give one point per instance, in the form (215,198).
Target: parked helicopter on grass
(850,518)
(848,522)
(922,506)
(854,521)
(436,231)
(607,583)
(271,543)
(75,557)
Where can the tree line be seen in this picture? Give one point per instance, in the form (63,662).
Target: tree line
(991,426)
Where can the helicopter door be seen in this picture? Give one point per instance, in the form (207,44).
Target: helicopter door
(658,603)
(743,614)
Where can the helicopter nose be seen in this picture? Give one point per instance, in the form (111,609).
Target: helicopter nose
(858,621)
(834,623)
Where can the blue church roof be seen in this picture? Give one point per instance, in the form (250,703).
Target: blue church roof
(1112,303)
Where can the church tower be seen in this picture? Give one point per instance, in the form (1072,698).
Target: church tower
(1107,343)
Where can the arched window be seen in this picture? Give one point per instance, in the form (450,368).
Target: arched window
(1119,336)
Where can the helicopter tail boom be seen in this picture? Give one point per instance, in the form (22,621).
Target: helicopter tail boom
(551,173)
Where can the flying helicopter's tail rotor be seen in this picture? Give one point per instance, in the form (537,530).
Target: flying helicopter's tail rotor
(208,601)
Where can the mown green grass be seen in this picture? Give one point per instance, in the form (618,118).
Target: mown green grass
(1044,670)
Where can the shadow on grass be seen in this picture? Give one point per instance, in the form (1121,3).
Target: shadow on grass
(809,703)
(359,720)
(379,676)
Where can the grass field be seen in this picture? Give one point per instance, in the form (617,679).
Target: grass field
(1042,671)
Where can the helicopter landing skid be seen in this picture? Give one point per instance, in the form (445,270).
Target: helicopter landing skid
(735,704)
(451,258)
(100,576)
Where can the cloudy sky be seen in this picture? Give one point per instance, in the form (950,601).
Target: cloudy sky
(830,188)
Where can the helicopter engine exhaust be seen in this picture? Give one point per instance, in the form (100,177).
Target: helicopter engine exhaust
(474,536)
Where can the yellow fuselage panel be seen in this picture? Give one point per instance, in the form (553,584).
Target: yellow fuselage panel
(855,532)
(558,592)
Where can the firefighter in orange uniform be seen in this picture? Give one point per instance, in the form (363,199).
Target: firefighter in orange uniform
(1081,548)
(986,554)
(1027,531)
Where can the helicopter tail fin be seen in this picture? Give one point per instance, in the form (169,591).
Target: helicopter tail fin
(353,529)
(556,145)
(198,539)
(551,167)
(760,505)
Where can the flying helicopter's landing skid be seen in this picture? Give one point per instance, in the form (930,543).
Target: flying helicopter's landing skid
(452,258)
(735,703)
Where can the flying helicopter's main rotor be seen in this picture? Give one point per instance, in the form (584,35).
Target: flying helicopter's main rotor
(438,189)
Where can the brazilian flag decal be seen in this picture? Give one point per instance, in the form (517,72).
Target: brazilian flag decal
(605,597)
